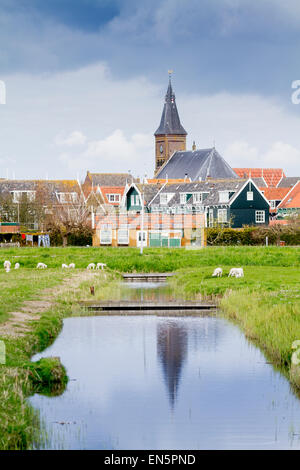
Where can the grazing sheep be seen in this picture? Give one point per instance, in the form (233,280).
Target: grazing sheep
(41,266)
(17,266)
(7,269)
(217,272)
(236,272)
(91,266)
(64,266)
(7,264)
(100,265)
(72,266)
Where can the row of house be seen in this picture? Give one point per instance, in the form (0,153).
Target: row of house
(175,211)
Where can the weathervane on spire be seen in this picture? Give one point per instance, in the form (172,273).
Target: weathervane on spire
(170,73)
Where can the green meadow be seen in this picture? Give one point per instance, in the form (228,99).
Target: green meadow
(265,304)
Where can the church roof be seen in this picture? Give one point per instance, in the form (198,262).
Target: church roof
(170,122)
(197,165)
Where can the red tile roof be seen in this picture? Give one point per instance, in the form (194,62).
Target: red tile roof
(275,194)
(272,176)
(292,199)
(105,190)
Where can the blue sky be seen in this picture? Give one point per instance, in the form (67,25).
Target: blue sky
(86,79)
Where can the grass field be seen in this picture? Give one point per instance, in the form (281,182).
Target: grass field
(265,304)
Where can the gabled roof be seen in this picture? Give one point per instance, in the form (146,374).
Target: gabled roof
(197,165)
(170,122)
(288,182)
(292,199)
(275,194)
(105,190)
(272,176)
(109,179)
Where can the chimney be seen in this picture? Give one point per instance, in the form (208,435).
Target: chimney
(194,146)
(185,176)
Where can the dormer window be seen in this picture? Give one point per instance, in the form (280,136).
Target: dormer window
(183,198)
(164,198)
(197,198)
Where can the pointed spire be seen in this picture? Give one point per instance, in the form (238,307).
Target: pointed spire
(170,122)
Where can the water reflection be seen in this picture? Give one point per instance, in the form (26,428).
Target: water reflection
(147,382)
(172,342)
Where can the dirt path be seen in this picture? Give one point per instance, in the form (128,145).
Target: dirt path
(18,322)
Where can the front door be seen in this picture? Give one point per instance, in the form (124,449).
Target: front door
(139,238)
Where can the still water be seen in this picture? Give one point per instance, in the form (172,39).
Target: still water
(157,382)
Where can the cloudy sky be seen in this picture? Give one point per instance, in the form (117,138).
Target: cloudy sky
(85,82)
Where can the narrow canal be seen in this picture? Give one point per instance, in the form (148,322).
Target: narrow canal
(163,382)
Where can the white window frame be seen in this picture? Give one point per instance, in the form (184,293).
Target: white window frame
(197,198)
(106,234)
(223,196)
(123,236)
(163,199)
(113,197)
(221,218)
(211,217)
(258,218)
(183,198)
(249,195)
(273,204)
(17,195)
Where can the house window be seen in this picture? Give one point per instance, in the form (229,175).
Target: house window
(135,200)
(65,198)
(222,216)
(113,197)
(123,237)
(260,217)
(106,234)
(211,217)
(223,196)
(164,198)
(182,198)
(273,204)
(197,198)
(17,195)
(249,195)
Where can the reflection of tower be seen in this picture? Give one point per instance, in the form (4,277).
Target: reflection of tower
(172,341)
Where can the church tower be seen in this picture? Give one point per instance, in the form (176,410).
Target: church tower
(170,135)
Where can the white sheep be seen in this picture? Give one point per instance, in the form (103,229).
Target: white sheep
(7,264)
(72,266)
(41,266)
(64,266)
(17,266)
(100,265)
(236,272)
(91,266)
(217,272)
(7,269)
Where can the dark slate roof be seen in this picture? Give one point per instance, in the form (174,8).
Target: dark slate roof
(149,191)
(49,187)
(170,122)
(260,182)
(198,165)
(111,179)
(288,182)
(211,187)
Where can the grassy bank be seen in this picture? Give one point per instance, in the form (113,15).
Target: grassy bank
(265,304)
(25,334)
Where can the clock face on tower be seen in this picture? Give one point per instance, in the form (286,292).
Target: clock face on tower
(161,149)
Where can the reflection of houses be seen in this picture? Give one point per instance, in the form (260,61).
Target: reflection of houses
(172,344)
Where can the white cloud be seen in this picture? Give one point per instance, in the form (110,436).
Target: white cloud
(74,139)
(114,151)
(67,123)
